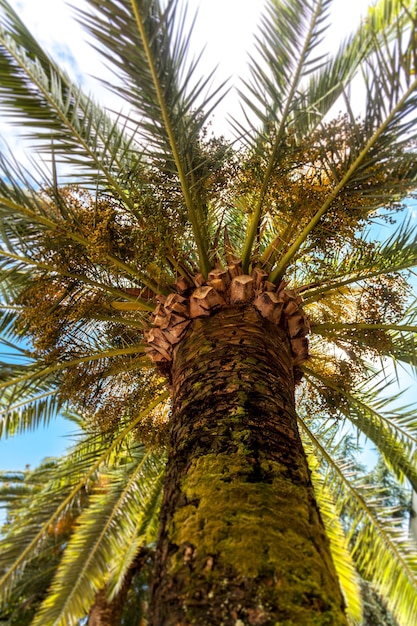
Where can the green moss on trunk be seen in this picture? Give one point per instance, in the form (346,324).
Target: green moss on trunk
(241,540)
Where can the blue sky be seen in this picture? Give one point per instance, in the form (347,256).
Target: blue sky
(226,27)
(33,446)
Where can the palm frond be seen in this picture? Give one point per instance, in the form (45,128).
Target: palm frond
(117,518)
(394,432)
(15,486)
(17,267)
(40,96)
(396,254)
(23,545)
(342,558)
(330,82)
(388,130)
(19,416)
(397,341)
(22,206)
(30,393)
(146,533)
(286,47)
(152,57)
(381,551)
(294,111)
(8,318)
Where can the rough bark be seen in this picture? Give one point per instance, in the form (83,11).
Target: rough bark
(241,539)
(104,613)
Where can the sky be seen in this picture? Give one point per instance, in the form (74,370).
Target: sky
(226,28)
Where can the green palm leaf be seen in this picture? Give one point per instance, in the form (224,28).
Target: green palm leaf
(121,515)
(401,344)
(397,253)
(387,131)
(30,392)
(286,49)
(329,83)
(82,133)
(152,56)
(381,550)
(24,544)
(394,432)
(22,206)
(342,557)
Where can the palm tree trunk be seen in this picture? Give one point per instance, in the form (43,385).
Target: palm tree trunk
(105,613)
(241,539)
(109,613)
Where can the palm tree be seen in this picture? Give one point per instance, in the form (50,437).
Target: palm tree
(235,285)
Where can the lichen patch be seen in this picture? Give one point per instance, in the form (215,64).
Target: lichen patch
(242,534)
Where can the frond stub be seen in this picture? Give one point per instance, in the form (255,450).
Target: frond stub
(226,288)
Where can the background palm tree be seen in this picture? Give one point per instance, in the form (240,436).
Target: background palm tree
(171,257)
